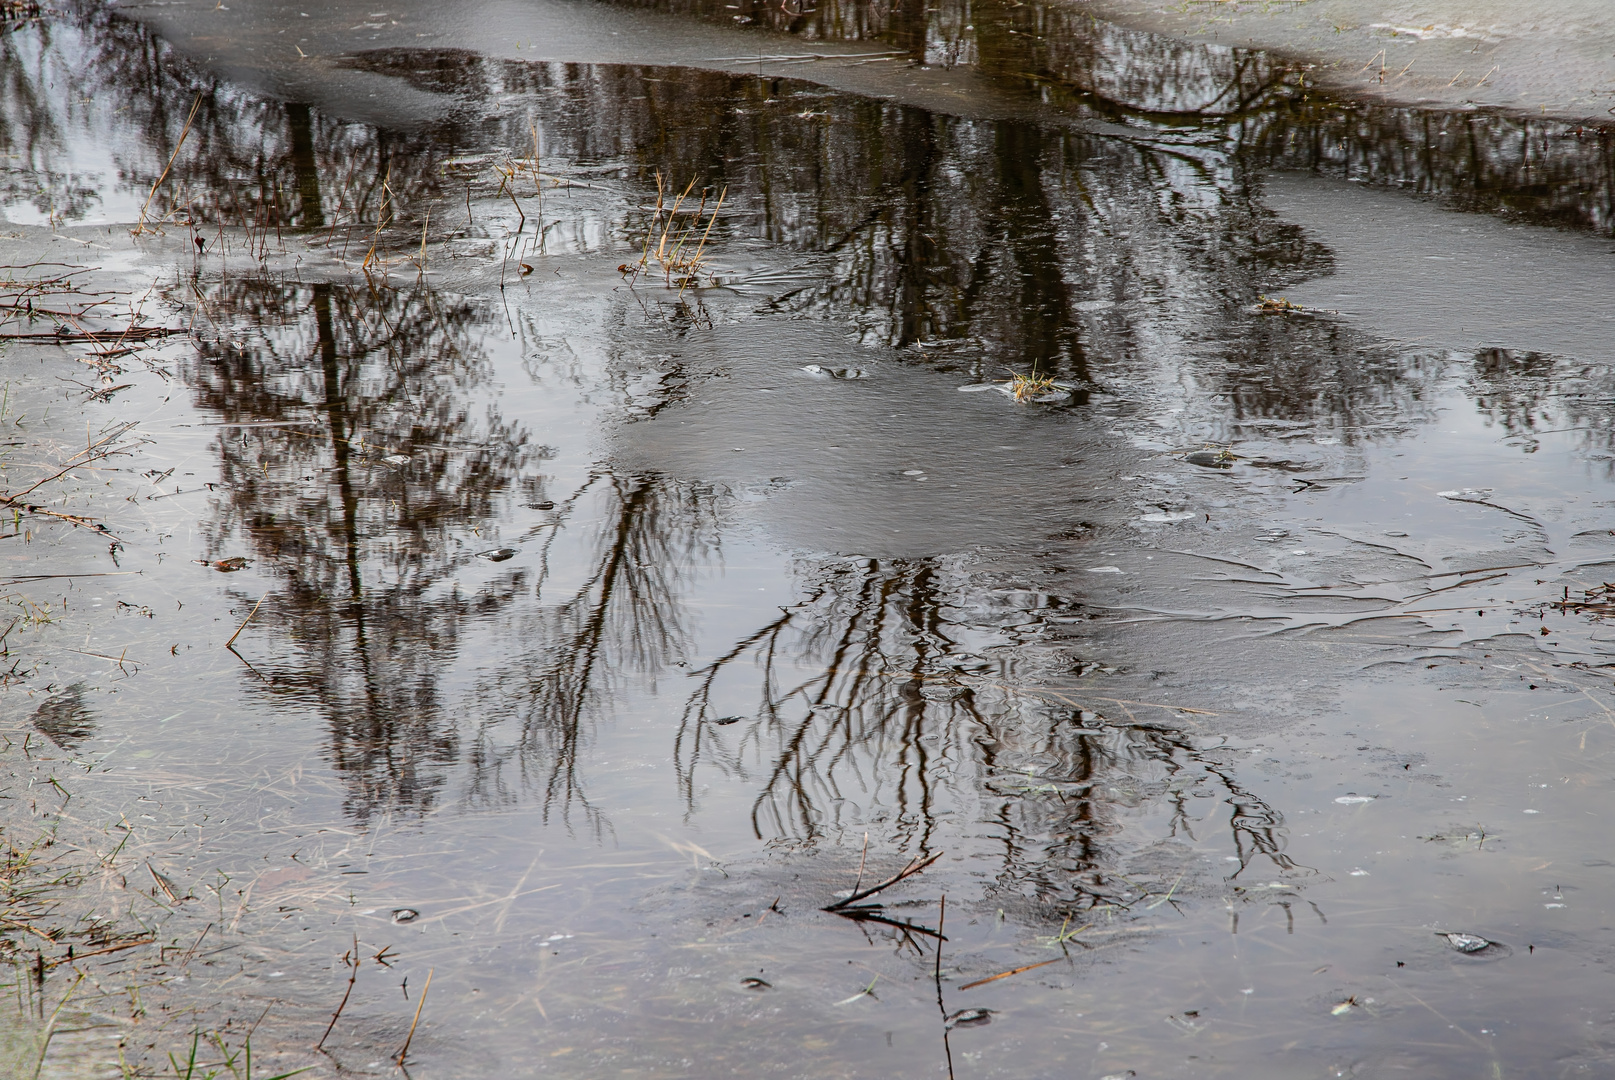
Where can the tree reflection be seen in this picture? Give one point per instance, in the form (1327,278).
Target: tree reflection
(620,615)
(352,457)
(359,444)
(90,78)
(358,448)
(925,230)
(1547,169)
(1528,394)
(932,231)
(871,707)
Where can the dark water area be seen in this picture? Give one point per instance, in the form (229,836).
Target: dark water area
(452,597)
(1264,105)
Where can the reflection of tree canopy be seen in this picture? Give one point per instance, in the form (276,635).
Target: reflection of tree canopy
(917,226)
(619,613)
(34,117)
(926,228)
(1528,394)
(880,691)
(322,385)
(357,446)
(95,77)
(1547,169)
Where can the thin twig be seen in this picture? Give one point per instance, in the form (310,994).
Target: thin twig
(140,225)
(402,1054)
(88,454)
(908,871)
(873,915)
(1007,974)
(353,976)
(247,620)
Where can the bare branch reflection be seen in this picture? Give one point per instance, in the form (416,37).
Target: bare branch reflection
(618,612)
(890,692)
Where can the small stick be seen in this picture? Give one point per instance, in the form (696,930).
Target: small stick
(102,952)
(163,883)
(418,1005)
(197,945)
(861,858)
(947,1046)
(1007,974)
(1489,74)
(352,976)
(771,907)
(521,226)
(247,620)
(908,871)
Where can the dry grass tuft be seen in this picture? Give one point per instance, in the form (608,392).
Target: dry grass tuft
(668,240)
(1031,387)
(1276,305)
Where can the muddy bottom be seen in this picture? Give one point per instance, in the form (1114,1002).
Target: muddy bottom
(652,569)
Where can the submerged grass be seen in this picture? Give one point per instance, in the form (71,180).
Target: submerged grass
(227,1063)
(95,959)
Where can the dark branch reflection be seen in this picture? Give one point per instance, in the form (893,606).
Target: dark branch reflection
(246,161)
(361,440)
(891,695)
(1528,394)
(1060,54)
(1034,245)
(353,454)
(621,614)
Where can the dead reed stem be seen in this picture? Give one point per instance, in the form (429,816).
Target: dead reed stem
(424,224)
(695,262)
(538,187)
(140,225)
(404,1053)
(382,218)
(1011,971)
(247,620)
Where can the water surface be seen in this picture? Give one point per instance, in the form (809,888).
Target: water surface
(591,621)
